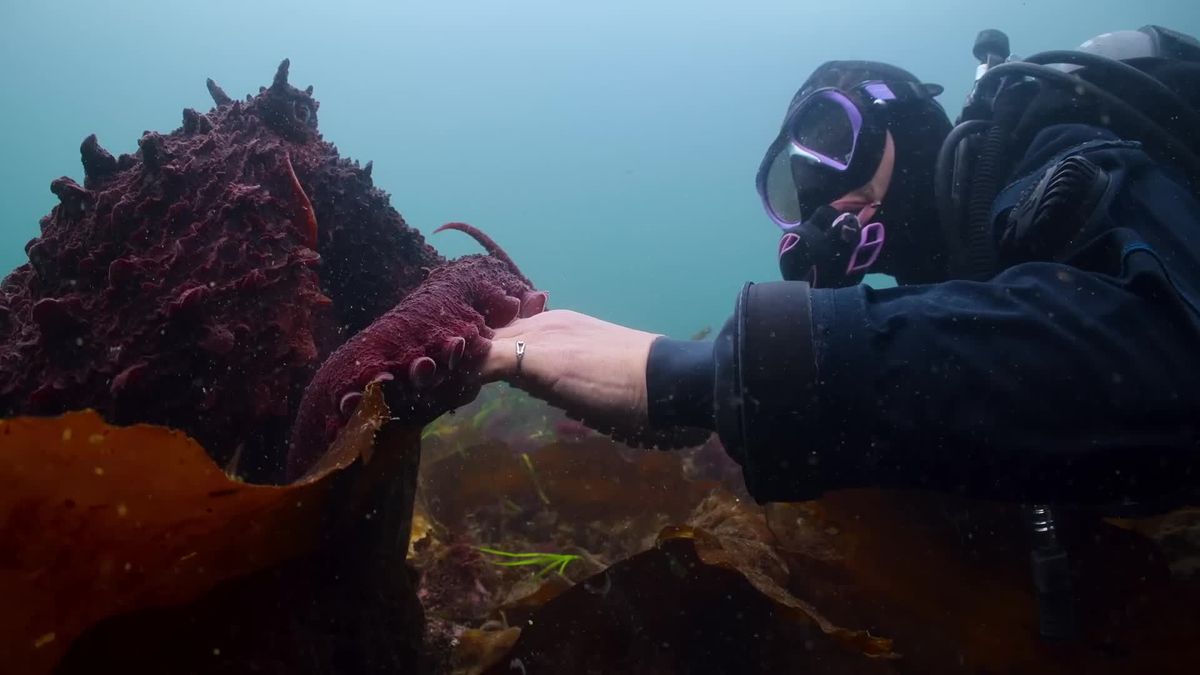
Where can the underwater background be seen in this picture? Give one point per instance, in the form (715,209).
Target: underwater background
(610,147)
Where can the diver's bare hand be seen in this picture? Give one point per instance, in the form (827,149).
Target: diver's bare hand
(593,369)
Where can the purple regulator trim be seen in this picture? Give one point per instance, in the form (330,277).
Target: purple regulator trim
(870,243)
(788,242)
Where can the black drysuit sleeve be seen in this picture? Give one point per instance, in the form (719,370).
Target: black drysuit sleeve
(1074,381)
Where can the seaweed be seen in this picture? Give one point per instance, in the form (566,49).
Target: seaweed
(127,549)
(549,562)
(560,548)
(679,571)
(568,509)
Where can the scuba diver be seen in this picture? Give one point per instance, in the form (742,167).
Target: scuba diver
(1042,345)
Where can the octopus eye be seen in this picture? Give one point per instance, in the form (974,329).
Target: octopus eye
(302,113)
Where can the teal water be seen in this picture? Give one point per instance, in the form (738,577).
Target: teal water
(610,147)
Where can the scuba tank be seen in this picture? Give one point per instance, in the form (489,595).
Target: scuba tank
(974,160)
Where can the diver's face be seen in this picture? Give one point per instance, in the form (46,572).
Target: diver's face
(865,200)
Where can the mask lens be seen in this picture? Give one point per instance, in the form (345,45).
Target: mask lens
(824,130)
(809,162)
(783,200)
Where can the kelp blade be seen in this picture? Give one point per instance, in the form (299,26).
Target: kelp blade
(99,520)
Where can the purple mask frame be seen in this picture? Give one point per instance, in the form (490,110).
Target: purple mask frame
(877,91)
(852,114)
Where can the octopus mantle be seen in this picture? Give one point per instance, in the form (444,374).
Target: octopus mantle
(203,281)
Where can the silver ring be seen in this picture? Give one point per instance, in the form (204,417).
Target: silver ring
(520,354)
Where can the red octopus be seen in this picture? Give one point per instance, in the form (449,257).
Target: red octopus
(239,280)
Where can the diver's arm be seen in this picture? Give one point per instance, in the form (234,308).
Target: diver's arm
(679,383)
(1047,383)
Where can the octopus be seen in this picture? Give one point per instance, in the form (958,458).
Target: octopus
(238,280)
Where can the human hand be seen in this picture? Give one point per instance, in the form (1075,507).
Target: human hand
(594,370)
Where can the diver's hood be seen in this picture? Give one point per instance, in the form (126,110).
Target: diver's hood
(915,249)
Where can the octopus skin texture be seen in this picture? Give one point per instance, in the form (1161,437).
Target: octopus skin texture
(239,280)
(453,312)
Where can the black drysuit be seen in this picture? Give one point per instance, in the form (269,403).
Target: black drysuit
(1074,378)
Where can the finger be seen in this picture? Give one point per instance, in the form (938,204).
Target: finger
(518,328)
(550,320)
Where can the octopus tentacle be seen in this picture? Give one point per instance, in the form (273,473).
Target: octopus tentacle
(304,207)
(434,341)
(488,245)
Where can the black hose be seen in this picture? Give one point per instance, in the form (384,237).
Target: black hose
(1167,105)
(1159,136)
(979,242)
(944,191)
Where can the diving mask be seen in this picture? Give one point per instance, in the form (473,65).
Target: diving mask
(831,143)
